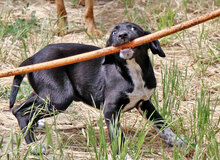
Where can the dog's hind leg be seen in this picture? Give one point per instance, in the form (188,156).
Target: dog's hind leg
(23,114)
(31,110)
(28,114)
(159,123)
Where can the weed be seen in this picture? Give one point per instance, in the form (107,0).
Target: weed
(204,53)
(166,19)
(173,94)
(128,3)
(138,138)
(134,15)
(99,147)
(1,142)
(75,2)
(24,90)
(4,92)
(202,133)
(19,28)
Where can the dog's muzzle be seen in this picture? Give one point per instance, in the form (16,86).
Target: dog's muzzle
(127,53)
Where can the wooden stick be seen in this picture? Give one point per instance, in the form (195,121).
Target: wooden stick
(109,50)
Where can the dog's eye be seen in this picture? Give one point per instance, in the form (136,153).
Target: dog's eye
(113,32)
(133,28)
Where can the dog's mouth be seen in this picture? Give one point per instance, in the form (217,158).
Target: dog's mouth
(127,53)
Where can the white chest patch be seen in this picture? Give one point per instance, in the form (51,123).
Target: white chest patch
(139,92)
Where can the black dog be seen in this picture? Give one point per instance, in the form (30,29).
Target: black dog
(120,81)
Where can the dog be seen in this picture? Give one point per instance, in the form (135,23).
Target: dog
(116,82)
(89,18)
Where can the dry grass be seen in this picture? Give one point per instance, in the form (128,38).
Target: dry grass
(197,49)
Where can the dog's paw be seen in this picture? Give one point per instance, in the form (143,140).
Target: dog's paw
(171,138)
(37,149)
(180,141)
(127,157)
(40,124)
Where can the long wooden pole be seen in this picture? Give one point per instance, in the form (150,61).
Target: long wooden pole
(109,50)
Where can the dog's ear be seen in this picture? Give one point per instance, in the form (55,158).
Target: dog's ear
(109,41)
(155,46)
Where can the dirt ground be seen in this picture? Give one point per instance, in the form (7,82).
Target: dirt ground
(107,15)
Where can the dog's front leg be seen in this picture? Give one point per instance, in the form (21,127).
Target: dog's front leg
(152,114)
(112,116)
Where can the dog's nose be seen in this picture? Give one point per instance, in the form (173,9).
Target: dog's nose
(123,36)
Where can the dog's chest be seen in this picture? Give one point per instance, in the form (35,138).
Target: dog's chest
(140,92)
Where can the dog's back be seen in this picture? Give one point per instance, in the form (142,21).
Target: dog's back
(57,76)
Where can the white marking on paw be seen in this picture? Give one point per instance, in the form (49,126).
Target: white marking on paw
(127,157)
(170,138)
(36,149)
(40,124)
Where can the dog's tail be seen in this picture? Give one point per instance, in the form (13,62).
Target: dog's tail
(17,82)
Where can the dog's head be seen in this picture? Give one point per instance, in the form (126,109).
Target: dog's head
(126,32)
